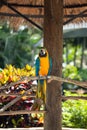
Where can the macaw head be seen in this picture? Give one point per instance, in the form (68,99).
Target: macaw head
(43,52)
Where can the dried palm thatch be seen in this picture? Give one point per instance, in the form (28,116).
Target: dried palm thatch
(76,10)
(24,12)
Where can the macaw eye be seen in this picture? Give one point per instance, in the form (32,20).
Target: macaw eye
(42,52)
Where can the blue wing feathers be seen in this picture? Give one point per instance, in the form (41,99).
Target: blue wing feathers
(37,66)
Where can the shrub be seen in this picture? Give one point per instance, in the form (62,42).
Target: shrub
(75,113)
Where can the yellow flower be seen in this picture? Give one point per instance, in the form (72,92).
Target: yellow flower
(28,67)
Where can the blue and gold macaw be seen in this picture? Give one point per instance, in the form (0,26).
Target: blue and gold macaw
(43,67)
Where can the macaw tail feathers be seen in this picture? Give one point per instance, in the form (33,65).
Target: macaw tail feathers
(40,95)
(41,90)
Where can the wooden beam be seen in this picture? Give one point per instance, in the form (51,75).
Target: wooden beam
(16,15)
(16,11)
(67,52)
(37,16)
(75,51)
(80,14)
(25,5)
(74,15)
(83,49)
(75,6)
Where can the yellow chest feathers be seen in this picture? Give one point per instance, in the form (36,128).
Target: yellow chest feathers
(44,66)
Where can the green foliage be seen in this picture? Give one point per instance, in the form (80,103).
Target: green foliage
(74,73)
(4,31)
(17,48)
(34,38)
(74,113)
(72,52)
(70,56)
(83,74)
(71,72)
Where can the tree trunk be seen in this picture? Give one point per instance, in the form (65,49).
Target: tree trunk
(53,26)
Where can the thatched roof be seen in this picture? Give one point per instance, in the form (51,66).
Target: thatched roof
(19,12)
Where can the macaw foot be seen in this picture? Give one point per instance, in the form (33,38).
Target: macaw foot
(37,104)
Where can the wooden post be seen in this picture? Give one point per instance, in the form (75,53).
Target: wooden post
(53,35)
(83,48)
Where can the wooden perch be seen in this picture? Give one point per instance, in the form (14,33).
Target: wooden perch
(13,101)
(73,97)
(59,79)
(19,112)
(75,82)
(16,94)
